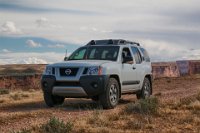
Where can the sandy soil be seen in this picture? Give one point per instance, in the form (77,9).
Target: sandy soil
(26,109)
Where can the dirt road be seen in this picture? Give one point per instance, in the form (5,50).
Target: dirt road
(26,109)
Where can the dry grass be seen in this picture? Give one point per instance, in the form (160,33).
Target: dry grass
(4,91)
(54,125)
(175,108)
(18,96)
(138,116)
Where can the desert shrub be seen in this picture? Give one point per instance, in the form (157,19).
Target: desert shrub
(9,71)
(31,90)
(198,96)
(15,96)
(186,100)
(2,100)
(98,119)
(4,91)
(144,106)
(30,70)
(134,124)
(194,105)
(94,118)
(55,125)
(24,130)
(113,117)
(19,96)
(158,94)
(186,119)
(24,95)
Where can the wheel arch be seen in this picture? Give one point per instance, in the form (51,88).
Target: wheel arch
(118,80)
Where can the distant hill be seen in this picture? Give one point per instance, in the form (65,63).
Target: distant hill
(22,69)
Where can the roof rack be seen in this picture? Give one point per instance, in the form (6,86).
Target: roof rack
(112,42)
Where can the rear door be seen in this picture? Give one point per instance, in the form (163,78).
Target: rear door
(129,77)
(139,64)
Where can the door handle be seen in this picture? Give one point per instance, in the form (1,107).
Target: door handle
(134,68)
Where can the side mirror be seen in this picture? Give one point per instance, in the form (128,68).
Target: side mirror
(127,59)
(66,58)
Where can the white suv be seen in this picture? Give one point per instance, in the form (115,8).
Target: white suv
(102,70)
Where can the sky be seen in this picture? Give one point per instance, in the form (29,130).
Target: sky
(40,31)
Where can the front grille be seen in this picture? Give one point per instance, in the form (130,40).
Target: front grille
(53,71)
(85,70)
(67,84)
(68,71)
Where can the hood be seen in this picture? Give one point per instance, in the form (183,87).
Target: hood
(82,63)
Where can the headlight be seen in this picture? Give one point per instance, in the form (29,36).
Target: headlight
(95,70)
(48,70)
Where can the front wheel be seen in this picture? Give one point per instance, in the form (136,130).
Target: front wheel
(52,100)
(109,99)
(146,90)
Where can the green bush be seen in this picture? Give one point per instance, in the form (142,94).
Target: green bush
(143,106)
(54,125)
(4,91)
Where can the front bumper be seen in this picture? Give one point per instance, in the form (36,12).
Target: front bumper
(87,86)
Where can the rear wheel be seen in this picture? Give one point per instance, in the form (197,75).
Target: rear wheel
(52,100)
(146,90)
(109,99)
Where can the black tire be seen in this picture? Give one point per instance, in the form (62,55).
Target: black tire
(95,98)
(110,98)
(52,100)
(146,90)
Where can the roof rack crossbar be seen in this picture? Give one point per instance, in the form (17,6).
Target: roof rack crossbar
(128,42)
(113,42)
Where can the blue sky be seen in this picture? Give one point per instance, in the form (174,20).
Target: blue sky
(23,44)
(36,31)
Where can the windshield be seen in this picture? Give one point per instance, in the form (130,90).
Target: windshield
(96,53)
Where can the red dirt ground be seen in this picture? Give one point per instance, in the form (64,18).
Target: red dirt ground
(30,110)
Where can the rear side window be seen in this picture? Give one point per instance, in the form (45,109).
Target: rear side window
(146,55)
(137,55)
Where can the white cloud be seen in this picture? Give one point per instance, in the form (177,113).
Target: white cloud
(45,23)
(6,51)
(33,44)
(164,51)
(9,27)
(166,28)
(56,46)
(42,22)
(30,58)
(94,29)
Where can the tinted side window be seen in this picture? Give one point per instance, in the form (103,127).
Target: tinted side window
(146,55)
(126,53)
(78,54)
(137,55)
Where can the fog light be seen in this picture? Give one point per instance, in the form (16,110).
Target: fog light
(95,85)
